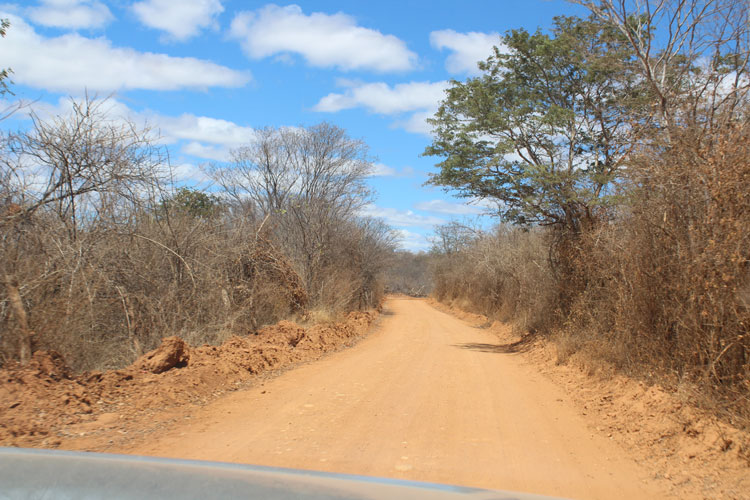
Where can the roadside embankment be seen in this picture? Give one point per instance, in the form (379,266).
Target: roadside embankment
(44,404)
(697,453)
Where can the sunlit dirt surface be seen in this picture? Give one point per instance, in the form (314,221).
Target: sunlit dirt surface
(418,394)
(425,397)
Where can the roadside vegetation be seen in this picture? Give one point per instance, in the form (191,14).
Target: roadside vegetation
(409,274)
(618,148)
(103,255)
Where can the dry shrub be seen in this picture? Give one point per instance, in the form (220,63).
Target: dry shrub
(660,288)
(409,274)
(667,282)
(112,293)
(347,272)
(104,257)
(504,274)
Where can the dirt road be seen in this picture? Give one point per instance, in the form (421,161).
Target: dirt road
(425,397)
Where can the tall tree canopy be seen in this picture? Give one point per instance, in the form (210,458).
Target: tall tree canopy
(543,131)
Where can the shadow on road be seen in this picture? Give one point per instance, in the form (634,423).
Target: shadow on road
(519,346)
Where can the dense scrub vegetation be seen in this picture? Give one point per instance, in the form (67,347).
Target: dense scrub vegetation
(409,274)
(102,255)
(619,147)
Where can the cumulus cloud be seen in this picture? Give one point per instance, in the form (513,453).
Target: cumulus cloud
(70,14)
(180,20)
(71,62)
(447,207)
(206,151)
(324,40)
(204,136)
(380,170)
(109,108)
(187,172)
(417,122)
(381,98)
(395,217)
(466,49)
(198,137)
(420,99)
(202,129)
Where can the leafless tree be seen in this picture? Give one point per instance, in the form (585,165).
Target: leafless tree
(78,170)
(308,179)
(693,54)
(284,166)
(75,165)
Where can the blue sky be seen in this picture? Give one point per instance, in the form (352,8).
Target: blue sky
(207,72)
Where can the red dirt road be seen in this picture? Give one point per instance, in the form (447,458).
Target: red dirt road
(425,397)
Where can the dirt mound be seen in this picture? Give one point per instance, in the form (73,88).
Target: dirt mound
(44,404)
(173,352)
(50,364)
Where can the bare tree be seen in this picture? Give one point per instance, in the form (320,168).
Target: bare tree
(693,54)
(452,237)
(286,166)
(75,165)
(308,179)
(80,170)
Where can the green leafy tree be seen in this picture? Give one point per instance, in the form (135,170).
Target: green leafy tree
(545,129)
(192,202)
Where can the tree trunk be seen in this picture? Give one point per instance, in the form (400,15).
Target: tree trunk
(16,304)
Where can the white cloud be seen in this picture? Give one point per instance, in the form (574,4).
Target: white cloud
(381,170)
(467,49)
(381,98)
(71,63)
(206,151)
(411,241)
(396,217)
(187,172)
(198,136)
(447,207)
(420,98)
(324,40)
(70,14)
(206,137)
(111,109)
(182,19)
(202,129)
(417,122)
